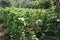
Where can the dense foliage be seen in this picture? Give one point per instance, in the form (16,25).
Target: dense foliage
(29,24)
(27,3)
(30,19)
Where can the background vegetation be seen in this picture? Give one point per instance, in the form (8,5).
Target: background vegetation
(30,19)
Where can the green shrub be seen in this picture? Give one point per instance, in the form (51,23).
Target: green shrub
(29,24)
